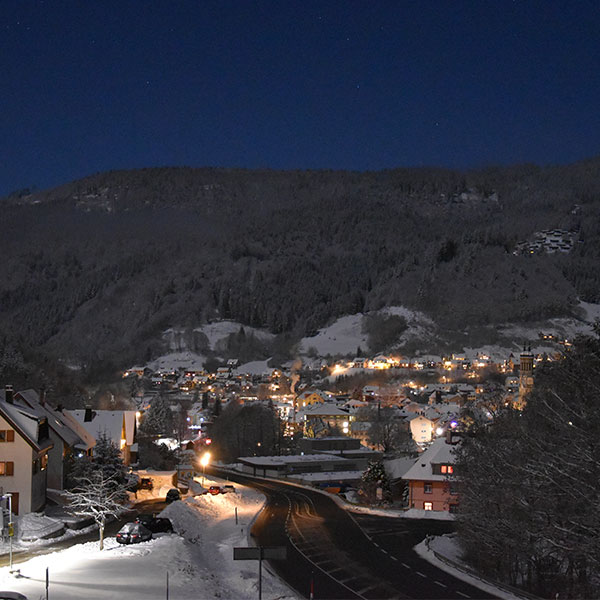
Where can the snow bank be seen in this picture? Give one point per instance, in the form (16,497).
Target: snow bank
(447,546)
(35,526)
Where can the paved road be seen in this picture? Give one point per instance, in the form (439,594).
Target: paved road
(347,555)
(148,506)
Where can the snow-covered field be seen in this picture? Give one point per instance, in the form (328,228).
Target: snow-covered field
(197,559)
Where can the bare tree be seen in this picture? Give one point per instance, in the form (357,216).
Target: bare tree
(98,496)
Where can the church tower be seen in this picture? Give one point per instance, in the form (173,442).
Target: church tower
(525,377)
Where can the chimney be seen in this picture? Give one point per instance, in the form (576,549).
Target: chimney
(43,396)
(89,414)
(8,394)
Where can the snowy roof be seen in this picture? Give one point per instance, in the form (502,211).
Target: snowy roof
(286,460)
(109,422)
(56,421)
(325,410)
(327,476)
(25,422)
(440,452)
(398,467)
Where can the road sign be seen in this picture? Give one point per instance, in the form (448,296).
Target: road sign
(260,553)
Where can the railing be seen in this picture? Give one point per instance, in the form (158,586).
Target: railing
(463,568)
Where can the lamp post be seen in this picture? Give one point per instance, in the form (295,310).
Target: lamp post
(204,461)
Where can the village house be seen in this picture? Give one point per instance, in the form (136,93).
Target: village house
(24,446)
(311,397)
(119,426)
(324,415)
(431,481)
(68,437)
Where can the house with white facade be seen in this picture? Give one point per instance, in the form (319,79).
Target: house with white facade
(119,426)
(24,446)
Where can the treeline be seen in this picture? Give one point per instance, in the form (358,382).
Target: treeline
(529,488)
(95,270)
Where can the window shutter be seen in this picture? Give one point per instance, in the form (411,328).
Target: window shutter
(10,468)
(10,435)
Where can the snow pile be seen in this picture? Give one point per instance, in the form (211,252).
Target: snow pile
(34,526)
(198,559)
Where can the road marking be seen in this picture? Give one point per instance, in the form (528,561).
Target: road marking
(465,595)
(375,544)
(421,574)
(440,584)
(393,558)
(384,550)
(405,565)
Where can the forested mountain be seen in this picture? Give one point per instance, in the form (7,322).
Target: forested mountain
(98,268)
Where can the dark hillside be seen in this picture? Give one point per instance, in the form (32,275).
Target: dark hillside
(97,268)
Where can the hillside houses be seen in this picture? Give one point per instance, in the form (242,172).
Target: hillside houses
(548,241)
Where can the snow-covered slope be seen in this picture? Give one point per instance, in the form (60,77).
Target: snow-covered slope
(345,335)
(179,339)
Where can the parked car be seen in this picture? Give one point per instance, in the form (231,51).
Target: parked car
(12,596)
(172,495)
(146,483)
(228,489)
(214,490)
(155,524)
(132,533)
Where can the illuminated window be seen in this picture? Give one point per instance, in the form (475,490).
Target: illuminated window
(444,469)
(447,469)
(428,505)
(428,487)
(7,468)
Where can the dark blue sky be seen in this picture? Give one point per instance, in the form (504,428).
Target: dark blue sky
(88,86)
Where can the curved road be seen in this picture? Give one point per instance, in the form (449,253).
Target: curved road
(339,554)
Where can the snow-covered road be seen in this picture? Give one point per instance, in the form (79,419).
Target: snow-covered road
(198,561)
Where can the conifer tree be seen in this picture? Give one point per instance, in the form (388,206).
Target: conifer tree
(373,479)
(158,419)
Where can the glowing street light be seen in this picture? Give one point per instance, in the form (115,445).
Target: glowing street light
(204,461)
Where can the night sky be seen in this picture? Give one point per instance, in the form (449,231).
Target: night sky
(88,86)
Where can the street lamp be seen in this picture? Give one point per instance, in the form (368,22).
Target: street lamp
(204,461)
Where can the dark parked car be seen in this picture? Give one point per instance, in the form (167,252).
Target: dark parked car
(172,495)
(146,483)
(228,489)
(155,524)
(132,533)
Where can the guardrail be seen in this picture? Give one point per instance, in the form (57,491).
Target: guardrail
(463,568)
